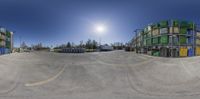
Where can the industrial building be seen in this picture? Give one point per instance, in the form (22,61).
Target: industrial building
(171,38)
(6,41)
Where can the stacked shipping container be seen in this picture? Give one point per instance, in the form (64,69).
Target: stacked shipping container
(169,39)
(6,43)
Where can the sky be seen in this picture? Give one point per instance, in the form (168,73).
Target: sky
(54,22)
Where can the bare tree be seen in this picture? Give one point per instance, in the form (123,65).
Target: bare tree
(23,45)
(81,45)
(94,44)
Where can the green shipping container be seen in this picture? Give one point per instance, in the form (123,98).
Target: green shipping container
(145,42)
(164,39)
(156,53)
(191,25)
(175,23)
(156,40)
(8,34)
(184,24)
(164,24)
(146,29)
(8,44)
(149,34)
(183,30)
(182,40)
(149,41)
(156,26)
(145,36)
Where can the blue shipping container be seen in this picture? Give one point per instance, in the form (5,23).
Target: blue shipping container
(190,32)
(190,52)
(2,50)
(190,40)
(7,51)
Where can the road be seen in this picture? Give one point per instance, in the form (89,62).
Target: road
(106,75)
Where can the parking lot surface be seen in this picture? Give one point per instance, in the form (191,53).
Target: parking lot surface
(105,75)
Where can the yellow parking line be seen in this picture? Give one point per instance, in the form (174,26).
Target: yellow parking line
(45,81)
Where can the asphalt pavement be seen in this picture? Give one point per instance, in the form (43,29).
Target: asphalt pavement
(105,75)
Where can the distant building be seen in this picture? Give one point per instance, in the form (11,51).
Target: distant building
(6,41)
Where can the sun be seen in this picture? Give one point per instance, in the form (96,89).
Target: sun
(100,29)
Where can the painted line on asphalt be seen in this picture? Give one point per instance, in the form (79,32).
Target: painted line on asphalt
(130,81)
(141,63)
(46,81)
(185,68)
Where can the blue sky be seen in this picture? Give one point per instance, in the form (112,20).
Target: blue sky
(55,22)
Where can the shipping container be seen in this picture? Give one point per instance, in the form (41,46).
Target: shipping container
(2,50)
(7,51)
(149,28)
(8,39)
(198,34)
(190,40)
(191,25)
(2,43)
(163,30)
(164,39)
(155,53)
(174,52)
(8,44)
(156,40)
(171,30)
(145,42)
(149,52)
(190,52)
(2,37)
(174,30)
(146,29)
(197,51)
(145,36)
(8,34)
(163,24)
(156,26)
(155,32)
(164,52)
(182,40)
(184,24)
(198,41)
(183,52)
(175,23)
(190,32)
(170,40)
(149,42)
(173,38)
(2,30)
(183,30)
(149,34)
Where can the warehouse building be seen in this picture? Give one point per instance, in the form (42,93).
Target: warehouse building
(171,38)
(6,41)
